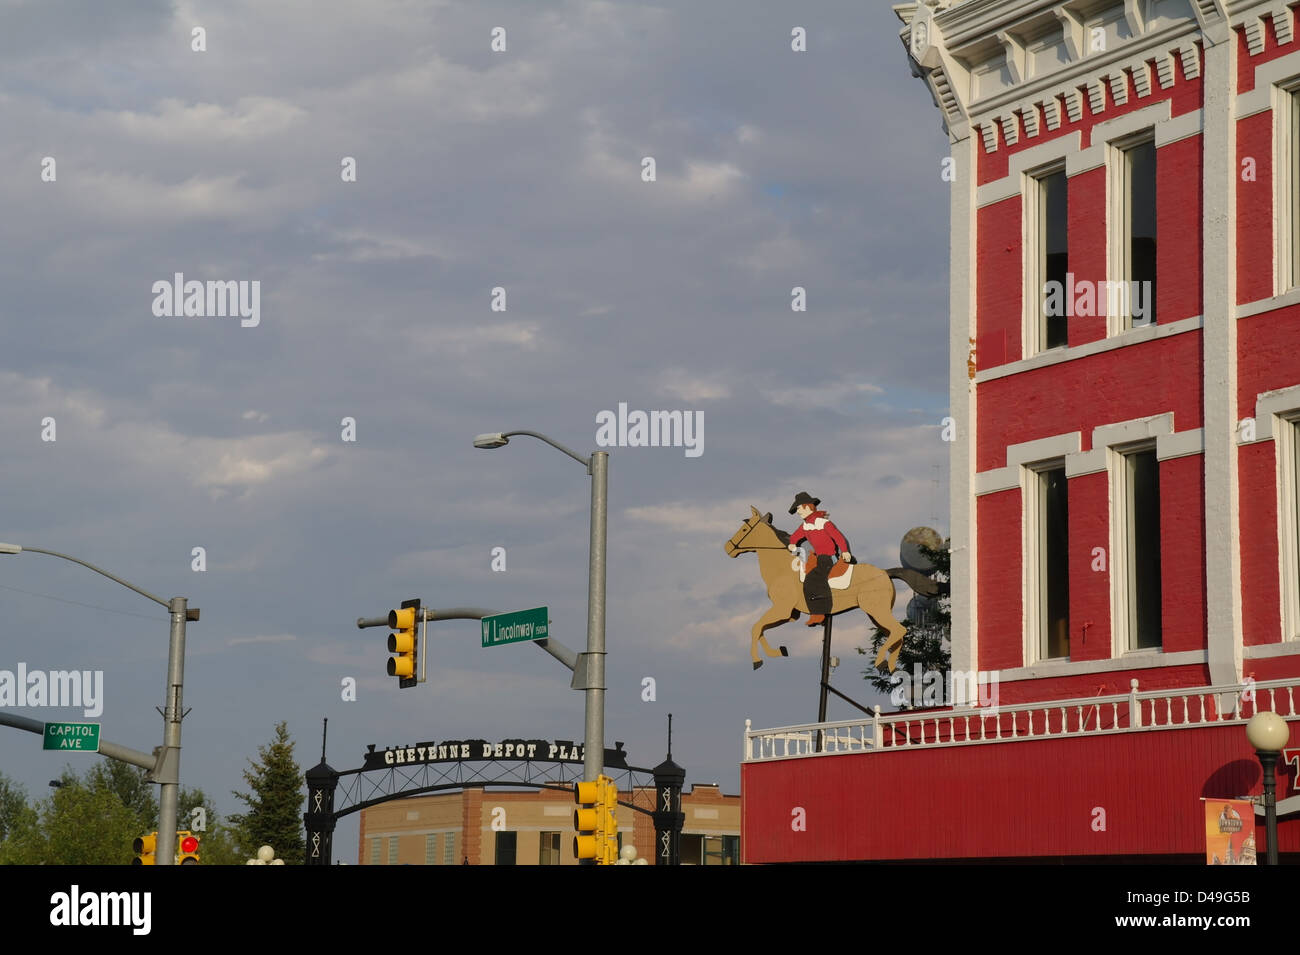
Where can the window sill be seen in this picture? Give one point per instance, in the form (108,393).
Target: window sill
(1056,356)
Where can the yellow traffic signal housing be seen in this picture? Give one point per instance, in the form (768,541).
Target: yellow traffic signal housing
(586,821)
(187,848)
(144,848)
(607,809)
(404,642)
(596,821)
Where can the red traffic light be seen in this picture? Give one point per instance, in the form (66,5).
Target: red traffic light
(189,844)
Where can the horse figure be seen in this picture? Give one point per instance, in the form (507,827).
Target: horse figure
(871,588)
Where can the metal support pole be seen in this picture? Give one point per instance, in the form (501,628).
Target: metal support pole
(166,766)
(168,774)
(826,675)
(1268,760)
(593,750)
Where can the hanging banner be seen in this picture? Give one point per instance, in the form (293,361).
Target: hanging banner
(1229,832)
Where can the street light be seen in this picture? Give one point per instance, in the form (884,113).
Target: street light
(590,673)
(167,766)
(1268,733)
(265,856)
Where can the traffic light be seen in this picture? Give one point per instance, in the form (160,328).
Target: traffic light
(187,848)
(607,807)
(586,820)
(595,821)
(144,847)
(405,642)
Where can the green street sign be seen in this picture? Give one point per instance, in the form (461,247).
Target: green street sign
(82,737)
(519,626)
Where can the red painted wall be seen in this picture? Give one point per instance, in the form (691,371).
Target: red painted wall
(1000,581)
(1103,684)
(1261,600)
(1118,385)
(1033,798)
(1087,247)
(1182,553)
(1268,354)
(1179,251)
(1255,209)
(998,302)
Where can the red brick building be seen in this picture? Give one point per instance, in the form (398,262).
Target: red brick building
(1125,394)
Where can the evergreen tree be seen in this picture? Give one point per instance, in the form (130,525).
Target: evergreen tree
(275,805)
(928,642)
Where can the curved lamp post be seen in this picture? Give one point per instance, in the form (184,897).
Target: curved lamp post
(167,768)
(1268,733)
(590,676)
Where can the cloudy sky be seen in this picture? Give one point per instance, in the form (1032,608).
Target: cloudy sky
(475,169)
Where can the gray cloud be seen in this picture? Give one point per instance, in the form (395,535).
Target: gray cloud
(475,170)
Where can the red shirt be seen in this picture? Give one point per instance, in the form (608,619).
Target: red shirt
(824,536)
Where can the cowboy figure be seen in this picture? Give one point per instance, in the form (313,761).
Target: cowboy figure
(827,543)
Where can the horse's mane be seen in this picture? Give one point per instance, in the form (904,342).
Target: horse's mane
(784,536)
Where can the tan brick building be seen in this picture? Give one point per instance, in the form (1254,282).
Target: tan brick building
(495,827)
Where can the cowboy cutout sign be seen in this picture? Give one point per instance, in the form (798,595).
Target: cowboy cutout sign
(830,555)
(828,583)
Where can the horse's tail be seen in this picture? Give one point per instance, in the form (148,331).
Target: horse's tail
(919,583)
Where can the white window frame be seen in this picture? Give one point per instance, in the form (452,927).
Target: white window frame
(392,850)
(1286,444)
(1286,185)
(1118,264)
(1034,333)
(1035,559)
(1123,602)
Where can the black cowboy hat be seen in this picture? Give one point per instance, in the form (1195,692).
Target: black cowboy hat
(803,497)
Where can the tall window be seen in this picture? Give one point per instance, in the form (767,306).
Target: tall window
(1134,299)
(1054,563)
(431,848)
(392,850)
(1289,202)
(449,848)
(1047,561)
(1138,497)
(507,843)
(375,851)
(1047,212)
(1286,186)
(550,849)
(1287,440)
(1294,434)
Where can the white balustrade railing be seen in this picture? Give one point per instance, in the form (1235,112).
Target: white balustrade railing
(1135,711)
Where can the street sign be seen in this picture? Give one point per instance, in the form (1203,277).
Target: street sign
(518,626)
(82,737)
